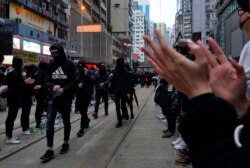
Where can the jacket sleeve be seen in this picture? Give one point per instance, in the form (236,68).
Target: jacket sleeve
(48,79)
(207,128)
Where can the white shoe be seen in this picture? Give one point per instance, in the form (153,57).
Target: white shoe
(164,120)
(12,141)
(178,140)
(27,132)
(161,117)
(181,145)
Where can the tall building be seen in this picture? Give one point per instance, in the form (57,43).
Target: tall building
(139,31)
(144,7)
(122,25)
(227,32)
(168,36)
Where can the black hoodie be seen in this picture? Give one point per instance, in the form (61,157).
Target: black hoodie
(61,71)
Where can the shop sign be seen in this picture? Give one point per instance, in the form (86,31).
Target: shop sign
(30,19)
(28,57)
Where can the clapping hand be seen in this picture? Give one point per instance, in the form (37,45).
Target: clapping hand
(189,77)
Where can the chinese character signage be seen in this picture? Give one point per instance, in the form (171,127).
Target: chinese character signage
(30,19)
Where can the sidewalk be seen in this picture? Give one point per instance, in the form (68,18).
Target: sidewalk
(144,146)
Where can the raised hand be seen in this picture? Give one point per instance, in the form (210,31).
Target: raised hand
(189,77)
(227,78)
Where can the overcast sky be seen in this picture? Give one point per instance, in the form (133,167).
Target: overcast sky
(165,13)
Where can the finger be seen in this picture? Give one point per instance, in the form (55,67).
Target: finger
(153,45)
(239,68)
(211,61)
(156,68)
(217,50)
(169,52)
(153,56)
(197,51)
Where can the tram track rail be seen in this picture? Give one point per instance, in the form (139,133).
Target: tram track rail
(40,138)
(125,134)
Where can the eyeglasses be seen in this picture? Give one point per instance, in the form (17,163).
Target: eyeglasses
(240,11)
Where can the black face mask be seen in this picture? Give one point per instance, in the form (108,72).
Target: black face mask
(55,55)
(243,23)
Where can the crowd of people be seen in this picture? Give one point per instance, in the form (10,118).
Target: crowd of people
(215,127)
(55,85)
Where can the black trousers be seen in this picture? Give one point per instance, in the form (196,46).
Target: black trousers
(120,103)
(40,104)
(171,119)
(14,103)
(84,100)
(63,107)
(26,107)
(98,96)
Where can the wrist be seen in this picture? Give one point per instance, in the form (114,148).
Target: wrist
(196,91)
(241,106)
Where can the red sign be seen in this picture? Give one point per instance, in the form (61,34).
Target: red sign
(135,57)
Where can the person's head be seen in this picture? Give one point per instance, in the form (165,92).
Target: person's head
(119,63)
(57,52)
(17,63)
(81,64)
(43,66)
(102,69)
(244,13)
(1,58)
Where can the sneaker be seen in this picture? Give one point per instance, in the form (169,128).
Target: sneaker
(12,140)
(80,133)
(181,145)
(27,132)
(168,134)
(49,155)
(95,115)
(65,148)
(161,117)
(182,152)
(178,140)
(118,125)
(184,161)
(165,131)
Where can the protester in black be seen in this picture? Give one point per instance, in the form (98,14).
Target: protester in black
(41,93)
(30,71)
(15,82)
(121,89)
(60,83)
(85,83)
(101,90)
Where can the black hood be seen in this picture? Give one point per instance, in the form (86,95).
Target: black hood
(17,63)
(244,4)
(57,52)
(120,64)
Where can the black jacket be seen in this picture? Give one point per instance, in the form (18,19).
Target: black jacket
(63,74)
(208,130)
(121,82)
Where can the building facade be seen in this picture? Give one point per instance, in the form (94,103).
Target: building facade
(32,26)
(139,32)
